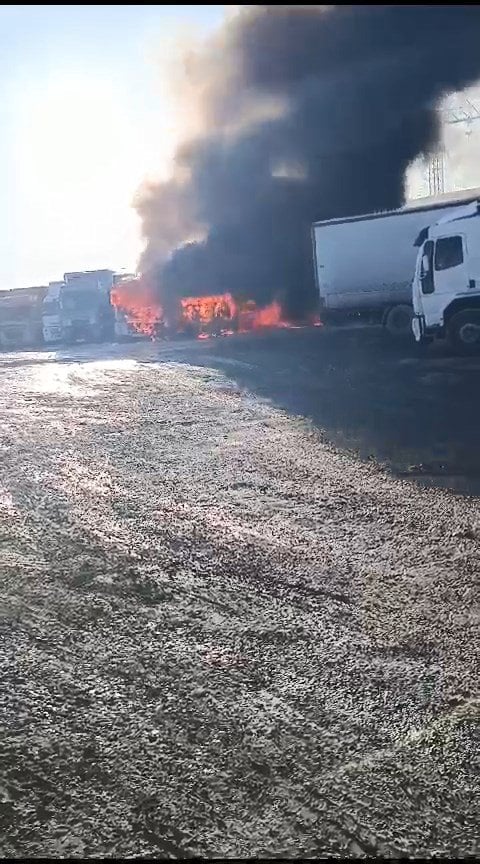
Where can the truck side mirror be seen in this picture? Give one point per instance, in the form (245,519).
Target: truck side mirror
(425,265)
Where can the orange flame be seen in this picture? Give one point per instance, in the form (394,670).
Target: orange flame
(215,309)
(268,316)
(220,314)
(134,300)
(212,315)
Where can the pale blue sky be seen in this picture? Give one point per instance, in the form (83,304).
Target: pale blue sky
(85,114)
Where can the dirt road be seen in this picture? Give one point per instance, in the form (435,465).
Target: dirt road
(220,635)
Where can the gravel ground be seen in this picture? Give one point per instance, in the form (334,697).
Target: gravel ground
(220,635)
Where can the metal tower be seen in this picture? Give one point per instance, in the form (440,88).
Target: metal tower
(436,173)
(465,113)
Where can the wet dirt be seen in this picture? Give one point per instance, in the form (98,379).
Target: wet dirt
(221,634)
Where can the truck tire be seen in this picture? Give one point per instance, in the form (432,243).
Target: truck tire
(398,321)
(464,331)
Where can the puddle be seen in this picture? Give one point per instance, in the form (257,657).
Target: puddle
(461,483)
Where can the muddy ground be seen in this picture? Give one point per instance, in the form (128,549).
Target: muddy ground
(225,630)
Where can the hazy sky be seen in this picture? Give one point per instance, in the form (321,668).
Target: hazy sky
(85,114)
(461,148)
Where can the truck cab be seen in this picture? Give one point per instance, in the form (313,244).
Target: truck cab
(86,311)
(446,284)
(51,315)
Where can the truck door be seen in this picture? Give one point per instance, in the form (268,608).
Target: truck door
(443,276)
(423,285)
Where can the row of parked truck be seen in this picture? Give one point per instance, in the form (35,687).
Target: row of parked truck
(414,269)
(77,308)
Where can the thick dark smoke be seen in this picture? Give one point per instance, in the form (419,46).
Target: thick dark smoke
(306,113)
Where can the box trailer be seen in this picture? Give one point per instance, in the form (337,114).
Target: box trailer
(21,318)
(364,265)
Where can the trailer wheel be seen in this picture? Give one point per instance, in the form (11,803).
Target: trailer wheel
(464,331)
(398,321)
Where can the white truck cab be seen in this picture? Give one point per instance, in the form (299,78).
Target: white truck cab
(51,314)
(446,284)
(87,314)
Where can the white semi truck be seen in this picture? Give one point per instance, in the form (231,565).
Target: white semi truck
(364,264)
(86,310)
(446,284)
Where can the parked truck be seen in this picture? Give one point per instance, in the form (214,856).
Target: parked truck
(85,308)
(446,283)
(364,264)
(51,314)
(21,318)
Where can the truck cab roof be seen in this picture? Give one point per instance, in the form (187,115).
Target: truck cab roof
(468,212)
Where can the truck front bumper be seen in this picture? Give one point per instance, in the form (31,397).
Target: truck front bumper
(423,333)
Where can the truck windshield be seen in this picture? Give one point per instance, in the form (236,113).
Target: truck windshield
(76,301)
(448,252)
(51,307)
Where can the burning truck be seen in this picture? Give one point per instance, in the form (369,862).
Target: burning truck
(201,317)
(138,313)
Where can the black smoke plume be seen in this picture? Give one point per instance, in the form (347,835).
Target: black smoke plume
(305,113)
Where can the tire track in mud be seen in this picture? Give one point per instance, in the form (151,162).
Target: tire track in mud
(220,636)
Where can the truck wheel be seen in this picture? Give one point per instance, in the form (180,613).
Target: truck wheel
(398,321)
(464,331)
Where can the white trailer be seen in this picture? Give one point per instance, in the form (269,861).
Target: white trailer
(446,284)
(21,318)
(364,264)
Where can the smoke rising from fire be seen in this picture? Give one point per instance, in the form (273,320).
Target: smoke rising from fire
(301,113)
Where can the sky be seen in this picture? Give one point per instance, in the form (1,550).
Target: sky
(86,113)
(460,145)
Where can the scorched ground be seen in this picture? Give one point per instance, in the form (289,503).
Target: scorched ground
(221,636)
